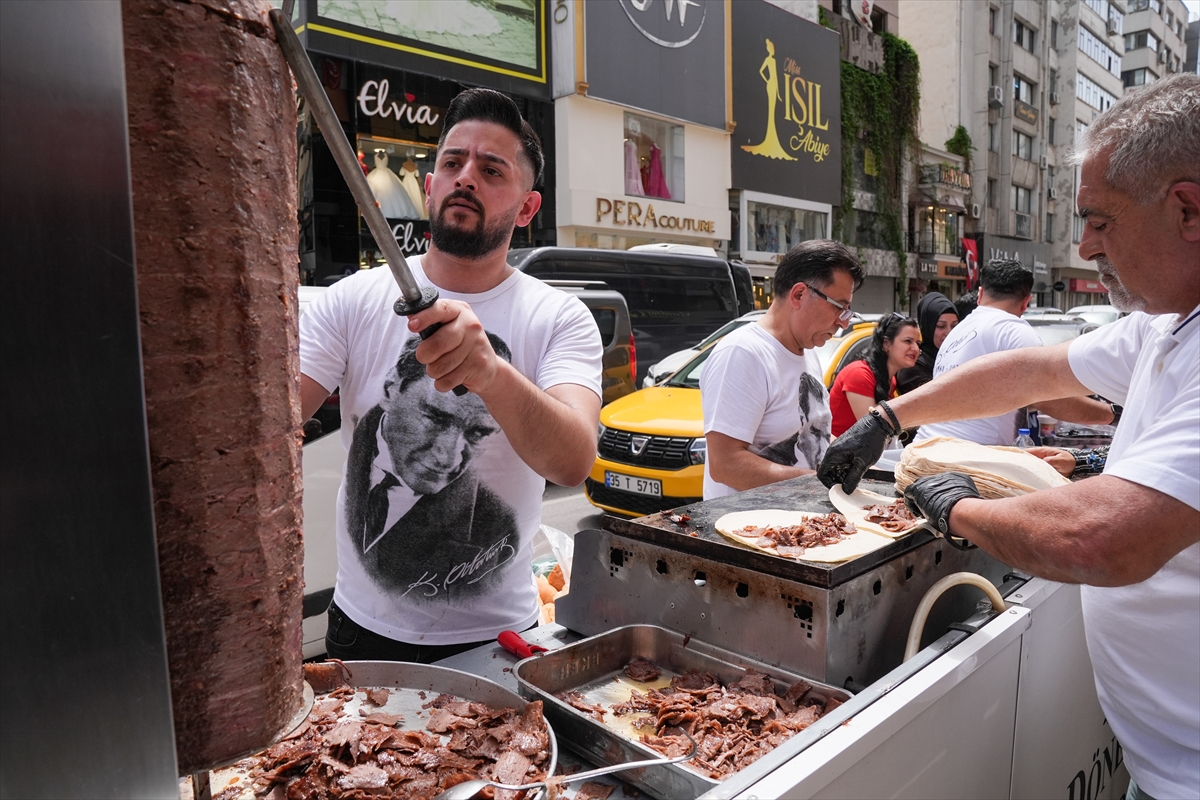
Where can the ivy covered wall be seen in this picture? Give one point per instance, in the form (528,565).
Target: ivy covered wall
(879,143)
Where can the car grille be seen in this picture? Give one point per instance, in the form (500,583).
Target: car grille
(633,503)
(666,452)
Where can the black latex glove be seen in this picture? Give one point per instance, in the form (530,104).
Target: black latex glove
(853,452)
(933,496)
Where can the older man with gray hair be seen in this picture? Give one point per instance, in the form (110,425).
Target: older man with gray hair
(1132,534)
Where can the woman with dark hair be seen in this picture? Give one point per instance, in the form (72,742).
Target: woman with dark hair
(872,379)
(937,317)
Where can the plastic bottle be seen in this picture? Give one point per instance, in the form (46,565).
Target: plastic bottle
(1024,440)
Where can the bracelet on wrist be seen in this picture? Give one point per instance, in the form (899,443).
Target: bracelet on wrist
(895,423)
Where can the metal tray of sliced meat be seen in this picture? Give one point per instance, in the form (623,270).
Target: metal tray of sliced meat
(735,707)
(403,730)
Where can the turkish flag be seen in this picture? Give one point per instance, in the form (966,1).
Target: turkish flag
(971,257)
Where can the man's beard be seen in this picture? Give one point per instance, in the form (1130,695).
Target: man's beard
(470,244)
(1120,297)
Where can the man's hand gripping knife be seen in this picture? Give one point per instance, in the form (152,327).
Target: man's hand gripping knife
(933,497)
(852,453)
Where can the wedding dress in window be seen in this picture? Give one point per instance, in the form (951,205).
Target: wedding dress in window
(393,199)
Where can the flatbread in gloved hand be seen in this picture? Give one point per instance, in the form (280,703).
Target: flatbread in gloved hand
(864,508)
(997,471)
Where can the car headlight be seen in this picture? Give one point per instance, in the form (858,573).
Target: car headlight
(697,451)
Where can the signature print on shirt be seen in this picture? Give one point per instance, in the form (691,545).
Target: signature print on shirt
(424,524)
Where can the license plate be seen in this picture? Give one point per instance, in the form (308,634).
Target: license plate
(628,483)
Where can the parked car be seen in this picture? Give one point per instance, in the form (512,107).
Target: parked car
(1060,328)
(674,298)
(612,318)
(1101,315)
(1043,311)
(652,449)
(663,369)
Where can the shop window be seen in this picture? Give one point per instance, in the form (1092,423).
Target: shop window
(653,158)
(777,229)
(396,171)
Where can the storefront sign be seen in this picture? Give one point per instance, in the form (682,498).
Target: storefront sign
(1080,285)
(473,43)
(631,213)
(787,105)
(665,57)
(1034,255)
(373,101)
(1025,111)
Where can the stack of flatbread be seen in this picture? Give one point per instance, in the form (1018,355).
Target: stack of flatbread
(997,471)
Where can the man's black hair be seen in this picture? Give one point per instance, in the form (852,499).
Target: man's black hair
(408,369)
(492,106)
(966,303)
(815,261)
(1006,279)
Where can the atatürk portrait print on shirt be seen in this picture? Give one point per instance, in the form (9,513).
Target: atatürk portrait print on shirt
(423,524)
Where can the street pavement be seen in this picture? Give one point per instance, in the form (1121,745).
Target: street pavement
(567,509)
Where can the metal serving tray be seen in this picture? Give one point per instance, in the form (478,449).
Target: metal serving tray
(594,666)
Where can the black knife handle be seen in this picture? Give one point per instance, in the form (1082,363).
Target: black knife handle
(429,296)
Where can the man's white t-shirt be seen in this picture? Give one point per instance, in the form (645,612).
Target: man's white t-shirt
(1144,639)
(985,330)
(450,566)
(755,390)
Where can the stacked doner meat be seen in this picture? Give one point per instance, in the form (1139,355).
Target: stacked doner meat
(733,726)
(336,754)
(894,517)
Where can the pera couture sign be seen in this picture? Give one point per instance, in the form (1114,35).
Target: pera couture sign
(787,105)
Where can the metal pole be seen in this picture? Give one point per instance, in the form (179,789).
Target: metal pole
(339,145)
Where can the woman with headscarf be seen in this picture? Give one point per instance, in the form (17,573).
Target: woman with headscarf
(872,379)
(937,317)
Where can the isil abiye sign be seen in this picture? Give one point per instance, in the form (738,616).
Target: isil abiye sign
(787,105)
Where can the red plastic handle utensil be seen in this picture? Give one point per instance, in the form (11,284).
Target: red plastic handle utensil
(513,643)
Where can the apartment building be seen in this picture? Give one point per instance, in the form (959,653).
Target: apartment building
(1024,78)
(1155,41)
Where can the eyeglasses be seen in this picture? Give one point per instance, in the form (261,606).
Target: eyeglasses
(843,308)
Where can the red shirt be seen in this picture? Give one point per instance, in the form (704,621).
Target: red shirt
(855,378)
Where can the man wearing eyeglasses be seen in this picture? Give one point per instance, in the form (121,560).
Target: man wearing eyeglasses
(766,410)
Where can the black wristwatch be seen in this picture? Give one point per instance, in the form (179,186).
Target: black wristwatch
(1116,411)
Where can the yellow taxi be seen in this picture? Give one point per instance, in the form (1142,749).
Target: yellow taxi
(652,449)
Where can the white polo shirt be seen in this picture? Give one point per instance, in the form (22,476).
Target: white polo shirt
(1144,639)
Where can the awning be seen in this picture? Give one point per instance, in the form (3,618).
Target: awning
(948,201)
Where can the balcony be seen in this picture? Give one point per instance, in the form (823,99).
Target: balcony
(931,243)
(945,175)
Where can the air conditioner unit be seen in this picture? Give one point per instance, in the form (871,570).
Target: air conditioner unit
(1054,98)
(995,96)
(1052,193)
(1162,56)
(975,211)
(1043,162)
(1114,26)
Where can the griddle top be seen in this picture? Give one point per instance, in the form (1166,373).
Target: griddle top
(798,494)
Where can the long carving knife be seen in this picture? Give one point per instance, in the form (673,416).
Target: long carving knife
(414,297)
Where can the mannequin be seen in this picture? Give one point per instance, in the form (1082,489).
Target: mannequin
(393,198)
(410,179)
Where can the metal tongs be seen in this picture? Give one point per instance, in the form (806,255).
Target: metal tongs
(414,297)
(468,789)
